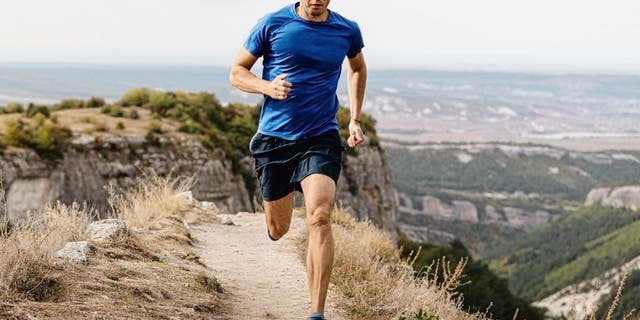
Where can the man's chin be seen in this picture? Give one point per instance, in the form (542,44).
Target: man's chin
(317,13)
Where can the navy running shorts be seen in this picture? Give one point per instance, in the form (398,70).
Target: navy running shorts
(282,164)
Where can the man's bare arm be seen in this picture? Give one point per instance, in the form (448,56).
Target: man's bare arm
(242,78)
(357,80)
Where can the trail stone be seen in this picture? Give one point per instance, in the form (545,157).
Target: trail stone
(106,229)
(225,220)
(209,206)
(75,251)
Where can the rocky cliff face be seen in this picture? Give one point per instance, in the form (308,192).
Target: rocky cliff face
(624,197)
(459,210)
(83,171)
(366,188)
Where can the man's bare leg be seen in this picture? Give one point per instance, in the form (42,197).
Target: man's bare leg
(278,215)
(319,195)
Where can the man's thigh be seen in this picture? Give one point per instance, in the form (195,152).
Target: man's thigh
(319,191)
(281,209)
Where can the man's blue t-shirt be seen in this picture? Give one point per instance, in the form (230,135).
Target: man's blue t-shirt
(311,53)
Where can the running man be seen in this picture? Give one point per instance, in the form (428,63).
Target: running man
(297,146)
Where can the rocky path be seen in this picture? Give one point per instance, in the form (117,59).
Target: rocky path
(262,279)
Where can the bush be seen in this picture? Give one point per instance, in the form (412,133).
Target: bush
(135,97)
(50,139)
(189,126)
(133,114)
(69,104)
(39,119)
(94,102)
(16,134)
(45,138)
(155,127)
(113,110)
(12,108)
(120,125)
(34,109)
(161,102)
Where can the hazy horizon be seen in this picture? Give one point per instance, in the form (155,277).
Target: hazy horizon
(443,68)
(544,36)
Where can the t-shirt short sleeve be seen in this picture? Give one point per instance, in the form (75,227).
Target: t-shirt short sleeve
(356,42)
(257,41)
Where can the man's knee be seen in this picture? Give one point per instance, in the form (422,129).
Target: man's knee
(320,219)
(277,231)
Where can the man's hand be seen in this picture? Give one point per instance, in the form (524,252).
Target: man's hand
(356,136)
(278,89)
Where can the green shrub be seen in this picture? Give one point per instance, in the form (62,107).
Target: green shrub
(69,104)
(161,102)
(120,125)
(135,97)
(45,138)
(155,127)
(189,126)
(12,108)
(113,110)
(34,109)
(50,139)
(39,119)
(133,114)
(94,102)
(16,134)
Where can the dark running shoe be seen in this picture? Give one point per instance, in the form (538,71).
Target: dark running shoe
(316,316)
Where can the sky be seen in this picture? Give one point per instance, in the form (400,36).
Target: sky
(504,35)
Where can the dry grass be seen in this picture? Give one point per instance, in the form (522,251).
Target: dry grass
(574,313)
(88,120)
(377,284)
(28,250)
(85,120)
(148,275)
(152,200)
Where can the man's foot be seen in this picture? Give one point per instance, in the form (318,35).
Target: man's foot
(316,316)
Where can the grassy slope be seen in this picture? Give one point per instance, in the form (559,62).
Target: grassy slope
(572,248)
(427,170)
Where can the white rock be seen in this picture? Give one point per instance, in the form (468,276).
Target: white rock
(83,139)
(187,195)
(75,251)
(136,230)
(209,206)
(224,219)
(106,229)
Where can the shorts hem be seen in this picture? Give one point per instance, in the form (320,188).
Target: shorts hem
(278,196)
(335,180)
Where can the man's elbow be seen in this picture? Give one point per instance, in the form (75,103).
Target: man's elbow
(233,76)
(360,72)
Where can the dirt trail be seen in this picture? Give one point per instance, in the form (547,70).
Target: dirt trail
(262,279)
